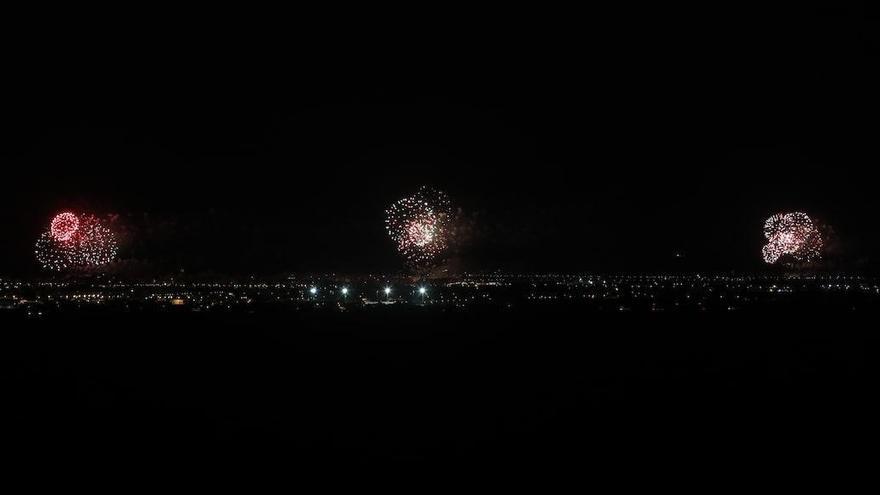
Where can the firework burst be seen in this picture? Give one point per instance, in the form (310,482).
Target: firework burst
(421,225)
(64,225)
(76,242)
(792,238)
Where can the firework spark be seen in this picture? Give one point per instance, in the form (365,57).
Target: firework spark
(76,242)
(791,238)
(420,225)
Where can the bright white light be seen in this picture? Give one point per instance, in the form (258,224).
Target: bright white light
(387,291)
(422,290)
(313,290)
(345,291)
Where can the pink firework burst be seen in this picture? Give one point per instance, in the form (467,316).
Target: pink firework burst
(64,226)
(420,225)
(76,242)
(791,238)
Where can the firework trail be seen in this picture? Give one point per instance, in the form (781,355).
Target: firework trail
(791,238)
(76,242)
(421,226)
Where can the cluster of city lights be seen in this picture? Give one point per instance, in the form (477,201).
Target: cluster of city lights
(76,242)
(386,290)
(791,238)
(420,225)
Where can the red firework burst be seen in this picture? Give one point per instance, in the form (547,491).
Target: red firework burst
(76,242)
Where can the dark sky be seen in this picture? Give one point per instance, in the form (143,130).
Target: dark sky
(589,142)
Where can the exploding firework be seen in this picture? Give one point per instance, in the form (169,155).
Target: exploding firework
(76,242)
(64,225)
(792,238)
(420,225)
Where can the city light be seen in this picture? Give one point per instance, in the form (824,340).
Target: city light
(623,292)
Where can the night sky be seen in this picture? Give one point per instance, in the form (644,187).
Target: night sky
(590,143)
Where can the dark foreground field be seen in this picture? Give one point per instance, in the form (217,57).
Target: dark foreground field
(553,387)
